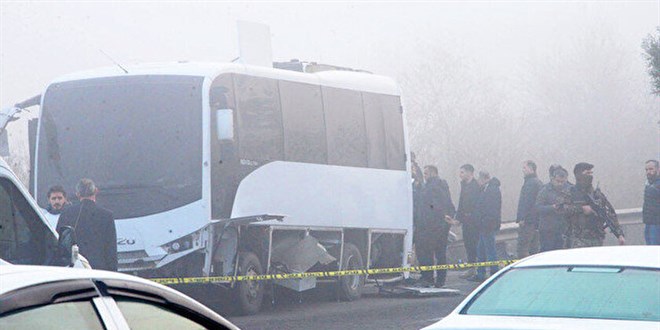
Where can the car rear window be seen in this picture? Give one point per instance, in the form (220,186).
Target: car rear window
(572,292)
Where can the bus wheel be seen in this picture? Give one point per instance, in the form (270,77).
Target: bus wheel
(250,294)
(350,287)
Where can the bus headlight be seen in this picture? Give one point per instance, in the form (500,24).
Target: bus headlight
(182,244)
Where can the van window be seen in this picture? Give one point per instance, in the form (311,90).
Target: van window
(23,236)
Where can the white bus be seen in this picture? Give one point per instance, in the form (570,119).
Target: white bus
(199,161)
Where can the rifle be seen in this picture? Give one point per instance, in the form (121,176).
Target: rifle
(604,212)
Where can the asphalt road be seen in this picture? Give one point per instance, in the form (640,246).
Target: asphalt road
(319,309)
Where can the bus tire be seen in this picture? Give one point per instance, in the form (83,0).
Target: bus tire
(350,287)
(250,294)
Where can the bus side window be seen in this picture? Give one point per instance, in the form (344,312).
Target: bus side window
(373,115)
(259,118)
(344,120)
(394,140)
(304,126)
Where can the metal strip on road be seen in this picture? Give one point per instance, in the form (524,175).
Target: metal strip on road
(351,272)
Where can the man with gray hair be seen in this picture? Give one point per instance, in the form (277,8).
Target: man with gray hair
(94,227)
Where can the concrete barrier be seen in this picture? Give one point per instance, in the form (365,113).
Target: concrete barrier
(506,240)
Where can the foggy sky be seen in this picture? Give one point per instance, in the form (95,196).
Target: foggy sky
(40,41)
(506,44)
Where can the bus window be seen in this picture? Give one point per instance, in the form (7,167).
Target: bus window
(304,126)
(259,118)
(394,141)
(22,233)
(344,120)
(373,116)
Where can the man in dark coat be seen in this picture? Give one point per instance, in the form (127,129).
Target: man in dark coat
(94,227)
(527,218)
(651,207)
(551,207)
(489,219)
(434,230)
(465,215)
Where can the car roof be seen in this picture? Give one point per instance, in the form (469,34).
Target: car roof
(622,256)
(14,277)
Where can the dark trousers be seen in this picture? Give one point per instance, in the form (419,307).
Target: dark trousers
(551,239)
(528,240)
(470,241)
(486,251)
(433,243)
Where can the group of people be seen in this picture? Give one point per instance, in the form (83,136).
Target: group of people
(550,216)
(479,213)
(94,226)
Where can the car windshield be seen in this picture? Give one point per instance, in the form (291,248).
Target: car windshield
(138,137)
(572,292)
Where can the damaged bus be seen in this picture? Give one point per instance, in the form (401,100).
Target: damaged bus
(230,169)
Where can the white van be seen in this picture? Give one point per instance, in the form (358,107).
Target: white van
(26,238)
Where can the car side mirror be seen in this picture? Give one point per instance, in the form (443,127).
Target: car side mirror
(225,124)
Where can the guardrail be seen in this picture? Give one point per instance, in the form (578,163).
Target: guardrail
(507,237)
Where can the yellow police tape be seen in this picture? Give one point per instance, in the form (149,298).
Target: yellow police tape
(337,273)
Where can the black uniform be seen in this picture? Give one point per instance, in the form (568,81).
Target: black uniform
(467,203)
(433,229)
(95,233)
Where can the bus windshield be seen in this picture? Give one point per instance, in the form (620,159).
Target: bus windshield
(138,137)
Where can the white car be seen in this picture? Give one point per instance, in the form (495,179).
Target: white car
(39,297)
(616,287)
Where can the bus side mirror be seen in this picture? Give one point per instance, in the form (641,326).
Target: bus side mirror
(225,124)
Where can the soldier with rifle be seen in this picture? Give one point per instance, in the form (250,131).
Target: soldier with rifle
(589,212)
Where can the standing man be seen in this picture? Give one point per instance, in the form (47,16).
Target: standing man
(488,214)
(551,207)
(57,202)
(527,218)
(651,207)
(585,227)
(417,187)
(434,230)
(94,226)
(465,214)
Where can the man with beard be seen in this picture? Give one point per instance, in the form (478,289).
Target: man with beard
(651,207)
(57,202)
(433,230)
(585,228)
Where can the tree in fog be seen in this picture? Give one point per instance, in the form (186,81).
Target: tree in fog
(651,46)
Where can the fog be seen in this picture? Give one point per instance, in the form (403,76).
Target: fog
(491,84)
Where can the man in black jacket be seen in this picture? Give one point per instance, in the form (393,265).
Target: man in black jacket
(94,226)
(651,207)
(465,215)
(527,218)
(489,219)
(434,230)
(551,207)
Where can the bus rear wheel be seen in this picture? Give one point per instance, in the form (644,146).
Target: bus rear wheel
(250,294)
(350,287)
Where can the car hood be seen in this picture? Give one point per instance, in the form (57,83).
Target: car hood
(457,321)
